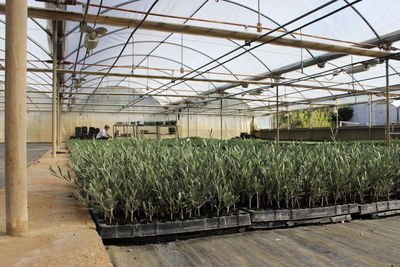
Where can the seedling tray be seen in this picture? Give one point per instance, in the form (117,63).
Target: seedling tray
(139,230)
(268,219)
(301,214)
(380,209)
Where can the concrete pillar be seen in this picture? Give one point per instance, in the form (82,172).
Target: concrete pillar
(54,94)
(15,118)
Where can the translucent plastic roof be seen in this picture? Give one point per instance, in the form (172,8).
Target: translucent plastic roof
(157,53)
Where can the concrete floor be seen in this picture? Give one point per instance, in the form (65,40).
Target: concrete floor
(61,231)
(358,243)
(34,152)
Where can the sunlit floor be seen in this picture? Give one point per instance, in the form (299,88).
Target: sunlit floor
(358,243)
(34,152)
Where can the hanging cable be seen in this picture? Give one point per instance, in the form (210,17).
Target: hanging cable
(268,33)
(133,56)
(259,37)
(182,69)
(301,53)
(122,51)
(147,79)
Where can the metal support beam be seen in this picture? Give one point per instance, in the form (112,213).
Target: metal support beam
(277,114)
(220,117)
(188,129)
(45,13)
(202,95)
(369,111)
(387,104)
(54,94)
(384,39)
(59,108)
(15,119)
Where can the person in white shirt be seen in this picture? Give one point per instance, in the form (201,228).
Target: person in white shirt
(103,134)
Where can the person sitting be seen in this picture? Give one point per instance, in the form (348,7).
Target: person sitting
(103,134)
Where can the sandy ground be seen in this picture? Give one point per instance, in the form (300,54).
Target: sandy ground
(34,152)
(61,232)
(358,243)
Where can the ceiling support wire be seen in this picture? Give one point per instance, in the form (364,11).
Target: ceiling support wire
(313,76)
(87,51)
(307,24)
(123,49)
(382,43)
(79,48)
(105,10)
(259,25)
(41,26)
(169,35)
(301,54)
(227,23)
(266,34)
(182,70)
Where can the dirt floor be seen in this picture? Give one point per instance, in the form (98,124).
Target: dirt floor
(359,243)
(34,152)
(61,232)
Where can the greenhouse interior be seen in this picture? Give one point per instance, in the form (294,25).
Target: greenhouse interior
(200,133)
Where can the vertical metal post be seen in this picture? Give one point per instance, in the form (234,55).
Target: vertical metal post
(188,129)
(369,111)
(387,104)
(58,114)
(220,115)
(277,115)
(337,115)
(15,118)
(369,116)
(54,94)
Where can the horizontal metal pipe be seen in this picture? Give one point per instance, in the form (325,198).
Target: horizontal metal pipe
(161,77)
(51,14)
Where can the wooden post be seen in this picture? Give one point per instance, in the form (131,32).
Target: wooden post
(15,118)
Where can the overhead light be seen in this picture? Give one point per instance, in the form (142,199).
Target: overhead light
(92,36)
(361,67)
(256,92)
(78,82)
(321,64)
(357,69)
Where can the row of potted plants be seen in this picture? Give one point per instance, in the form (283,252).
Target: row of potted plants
(130,181)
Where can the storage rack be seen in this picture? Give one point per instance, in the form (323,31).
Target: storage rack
(139,131)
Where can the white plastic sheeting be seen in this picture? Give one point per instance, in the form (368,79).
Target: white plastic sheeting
(159,53)
(378,114)
(146,51)
(39,124)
